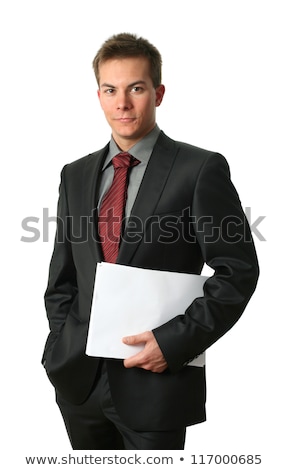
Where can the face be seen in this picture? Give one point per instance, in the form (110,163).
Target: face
(128,98)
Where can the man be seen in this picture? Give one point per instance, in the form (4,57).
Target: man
(187,213)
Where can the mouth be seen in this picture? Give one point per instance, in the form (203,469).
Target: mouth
(125,119)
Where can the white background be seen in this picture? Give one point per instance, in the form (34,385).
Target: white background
(226,76)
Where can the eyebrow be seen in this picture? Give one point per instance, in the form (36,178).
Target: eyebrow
(138,82)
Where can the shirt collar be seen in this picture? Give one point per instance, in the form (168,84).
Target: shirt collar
(142,150)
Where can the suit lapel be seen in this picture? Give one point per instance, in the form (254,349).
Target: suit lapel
(90,182)
(149,193)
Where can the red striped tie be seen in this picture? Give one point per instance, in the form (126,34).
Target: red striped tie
(112,207)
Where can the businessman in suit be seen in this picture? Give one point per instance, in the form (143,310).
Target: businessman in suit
(180,211)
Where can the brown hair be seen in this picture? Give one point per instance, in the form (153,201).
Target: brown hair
(125,45)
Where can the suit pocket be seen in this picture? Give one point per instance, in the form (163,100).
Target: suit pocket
(51,339)
(67,351)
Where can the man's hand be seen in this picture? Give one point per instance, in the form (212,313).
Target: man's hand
(150,358)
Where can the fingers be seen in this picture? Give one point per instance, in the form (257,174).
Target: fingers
(150,358)
(137,339)
(133,361)
(137,359)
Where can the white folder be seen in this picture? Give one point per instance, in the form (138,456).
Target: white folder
(128,301)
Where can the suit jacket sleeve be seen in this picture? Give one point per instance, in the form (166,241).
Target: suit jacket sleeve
(224,237)
(62,289)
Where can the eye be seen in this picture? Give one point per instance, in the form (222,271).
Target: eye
(137,89)
(109,91)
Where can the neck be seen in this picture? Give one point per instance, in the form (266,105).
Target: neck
(125,144)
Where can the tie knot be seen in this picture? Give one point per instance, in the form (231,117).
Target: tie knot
(124,160)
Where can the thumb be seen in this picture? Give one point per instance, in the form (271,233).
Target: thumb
(135,339)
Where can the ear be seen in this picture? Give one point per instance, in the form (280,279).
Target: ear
(160,91)
(99,98)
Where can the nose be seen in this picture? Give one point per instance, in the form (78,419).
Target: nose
(123,100)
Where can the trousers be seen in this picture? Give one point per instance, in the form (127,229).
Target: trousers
(96,425)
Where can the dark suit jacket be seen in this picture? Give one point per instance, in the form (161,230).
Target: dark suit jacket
(187,212)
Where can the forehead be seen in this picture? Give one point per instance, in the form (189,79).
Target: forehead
(119,70)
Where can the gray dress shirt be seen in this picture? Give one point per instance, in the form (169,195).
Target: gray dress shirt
(142,150)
